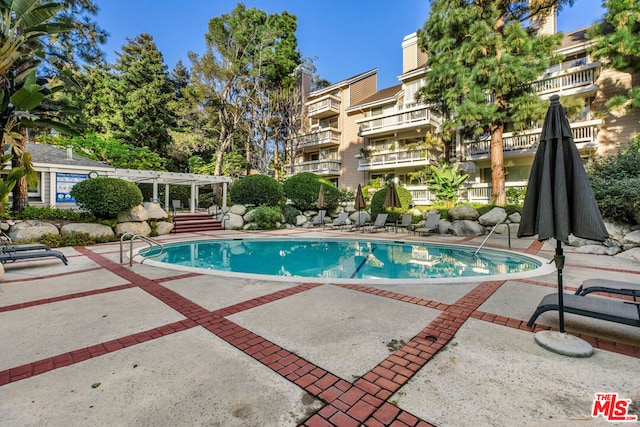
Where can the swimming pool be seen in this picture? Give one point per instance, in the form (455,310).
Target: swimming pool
(346,260)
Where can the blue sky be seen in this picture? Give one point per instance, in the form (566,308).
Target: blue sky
(376,31)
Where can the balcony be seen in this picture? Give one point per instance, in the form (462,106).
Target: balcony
(570,81)
(471,193)
(413,118)
(320,167)
(585,136)
(324,107)
(394,159)
(319,138)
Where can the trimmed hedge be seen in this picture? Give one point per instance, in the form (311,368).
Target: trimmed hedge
(377,204)
(106,197)
(256,190)
(303,189)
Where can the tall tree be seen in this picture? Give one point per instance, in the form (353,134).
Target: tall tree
(247,53)
(617,44)
(482,60)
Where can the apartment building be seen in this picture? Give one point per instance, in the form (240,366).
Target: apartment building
(354,133)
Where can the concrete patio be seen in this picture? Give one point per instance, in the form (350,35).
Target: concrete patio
(100,343)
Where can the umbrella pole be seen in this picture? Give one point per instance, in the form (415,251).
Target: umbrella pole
(559,259)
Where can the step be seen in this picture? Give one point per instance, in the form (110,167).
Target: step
(195,222)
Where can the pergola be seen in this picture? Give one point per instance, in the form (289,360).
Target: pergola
(167,178)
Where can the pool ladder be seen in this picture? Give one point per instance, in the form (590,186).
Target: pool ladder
(491,232)
(150,242)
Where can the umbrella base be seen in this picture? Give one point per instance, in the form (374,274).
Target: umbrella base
(564,344)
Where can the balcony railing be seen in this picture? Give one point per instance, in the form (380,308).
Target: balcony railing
(324,107)
(319,138)
(395,158)
(472,193)
(407,119)
(584,133)
(320,167)
(575,79)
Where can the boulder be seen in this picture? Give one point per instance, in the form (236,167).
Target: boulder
(493,217)
(515,217)
(92,229)
(632,254)
(463,213)
(5,226)
(31,230)
(163,227)
(578,241)
(238,210)
(301,220)
(444,226)
(354,216)
(135,227)
(617,231)
(155,210)
(136,213)
(592,249)
(631,240)
(467,227)
(505,228)
(233,222)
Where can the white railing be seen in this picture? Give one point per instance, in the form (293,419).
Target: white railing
(568,78)
(320,167)
(394,158)
(476,192)
(583,132)
(400,119)
(328,104)
(310,139)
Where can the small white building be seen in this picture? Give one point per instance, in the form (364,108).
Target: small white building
(59,170)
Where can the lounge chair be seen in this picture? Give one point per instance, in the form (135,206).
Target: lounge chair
(379,223)
(624,312)
(610,286)
(25,247)
(431,224)
(341,221)
(361,221)
(34,253)
(405,222)
(318,220)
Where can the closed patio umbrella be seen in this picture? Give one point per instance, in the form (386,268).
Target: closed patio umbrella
(359,204)
(559,199)
(321,203)
(392,200)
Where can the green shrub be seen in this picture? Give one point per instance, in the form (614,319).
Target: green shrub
(106,197)
(616,184)
(267,217)
(290,214)
(515,196)
(256,190)
(50,212)
(303,190)
(51,240)
(377,203)
(74,239)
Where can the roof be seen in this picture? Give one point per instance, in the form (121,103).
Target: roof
(139,176)
(342,83)
(381,95)
(573,38)
(52,155)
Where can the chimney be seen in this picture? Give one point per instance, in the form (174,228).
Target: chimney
(69,152)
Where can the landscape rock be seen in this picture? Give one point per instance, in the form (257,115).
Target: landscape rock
(92,229)
(238,209)
(135,214)
(578,241)
(301,220)
(233,222)
(631,240)
(617,231)
(505,228)
(632,254)
(155,211)
(31,230)
(467,227)
(163,227)
(515,217)
(354,216)
(493,217)
(463,212)
(592,249)
(134,227)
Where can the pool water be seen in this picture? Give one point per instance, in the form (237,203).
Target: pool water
(341,259)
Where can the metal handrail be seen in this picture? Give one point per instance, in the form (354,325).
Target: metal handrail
(149,241)
(491,232)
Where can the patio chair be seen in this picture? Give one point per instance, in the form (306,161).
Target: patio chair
(431,225)
(610,286)
(361,221)
(318,220)
(341,221)
(25,247)
(34,253)
(624,312)
(379,223)
(405,222)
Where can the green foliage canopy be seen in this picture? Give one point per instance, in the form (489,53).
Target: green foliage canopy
(256,190)
(303,190)
(106,197)
(377,203)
